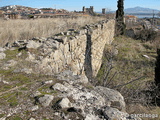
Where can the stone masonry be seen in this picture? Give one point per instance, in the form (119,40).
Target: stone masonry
(77,50)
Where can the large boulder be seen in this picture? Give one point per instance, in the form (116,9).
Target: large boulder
(45,100)
(114,97)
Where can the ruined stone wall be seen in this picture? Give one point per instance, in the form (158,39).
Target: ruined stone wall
(78,50)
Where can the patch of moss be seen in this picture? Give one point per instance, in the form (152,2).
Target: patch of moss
(16,79)
(11,54)
(2,115)
(24,54)
(6,72)
(27,113)
(20,77)
(5,87)
(13,101)
(7,95)
(11,98)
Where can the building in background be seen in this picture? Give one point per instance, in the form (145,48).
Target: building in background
(88,10)
(103,10)
(130,18)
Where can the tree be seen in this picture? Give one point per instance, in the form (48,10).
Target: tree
(157,69)
(120,26)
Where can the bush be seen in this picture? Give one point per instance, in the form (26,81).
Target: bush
(146,35)
(30,16)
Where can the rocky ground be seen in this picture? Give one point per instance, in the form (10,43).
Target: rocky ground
(26,95)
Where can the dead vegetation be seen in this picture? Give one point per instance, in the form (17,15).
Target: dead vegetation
(128,66)
(13,30)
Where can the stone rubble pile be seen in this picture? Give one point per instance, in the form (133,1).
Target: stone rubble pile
(95,103)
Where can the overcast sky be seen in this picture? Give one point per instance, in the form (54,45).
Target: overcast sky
(78,4)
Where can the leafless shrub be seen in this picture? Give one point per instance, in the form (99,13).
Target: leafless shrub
(106,74)
(146,35)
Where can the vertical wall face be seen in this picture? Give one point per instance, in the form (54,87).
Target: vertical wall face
(100,37)
(80,51)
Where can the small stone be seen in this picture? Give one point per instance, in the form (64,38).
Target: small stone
(30,57)
(60,87)
(5,82)
(47,82)
(11,63)
(56,113)
(3,118)
(146,56)
(34,108)
(91,117)
(2,49)
(37,93)
(33,44)
(83,79)
(65,103)
(16,44)
(32,119)
(19,54)
(26,70)
(2,55)
(45,100)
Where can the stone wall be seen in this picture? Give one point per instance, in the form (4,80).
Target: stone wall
(77,50)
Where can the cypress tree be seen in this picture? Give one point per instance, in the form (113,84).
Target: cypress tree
(157,69)
(120,26)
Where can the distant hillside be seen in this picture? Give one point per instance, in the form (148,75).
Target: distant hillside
(12,7)
(141,10)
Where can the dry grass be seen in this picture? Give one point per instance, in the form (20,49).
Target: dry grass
(135,109)
(130,64)
(13,30)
